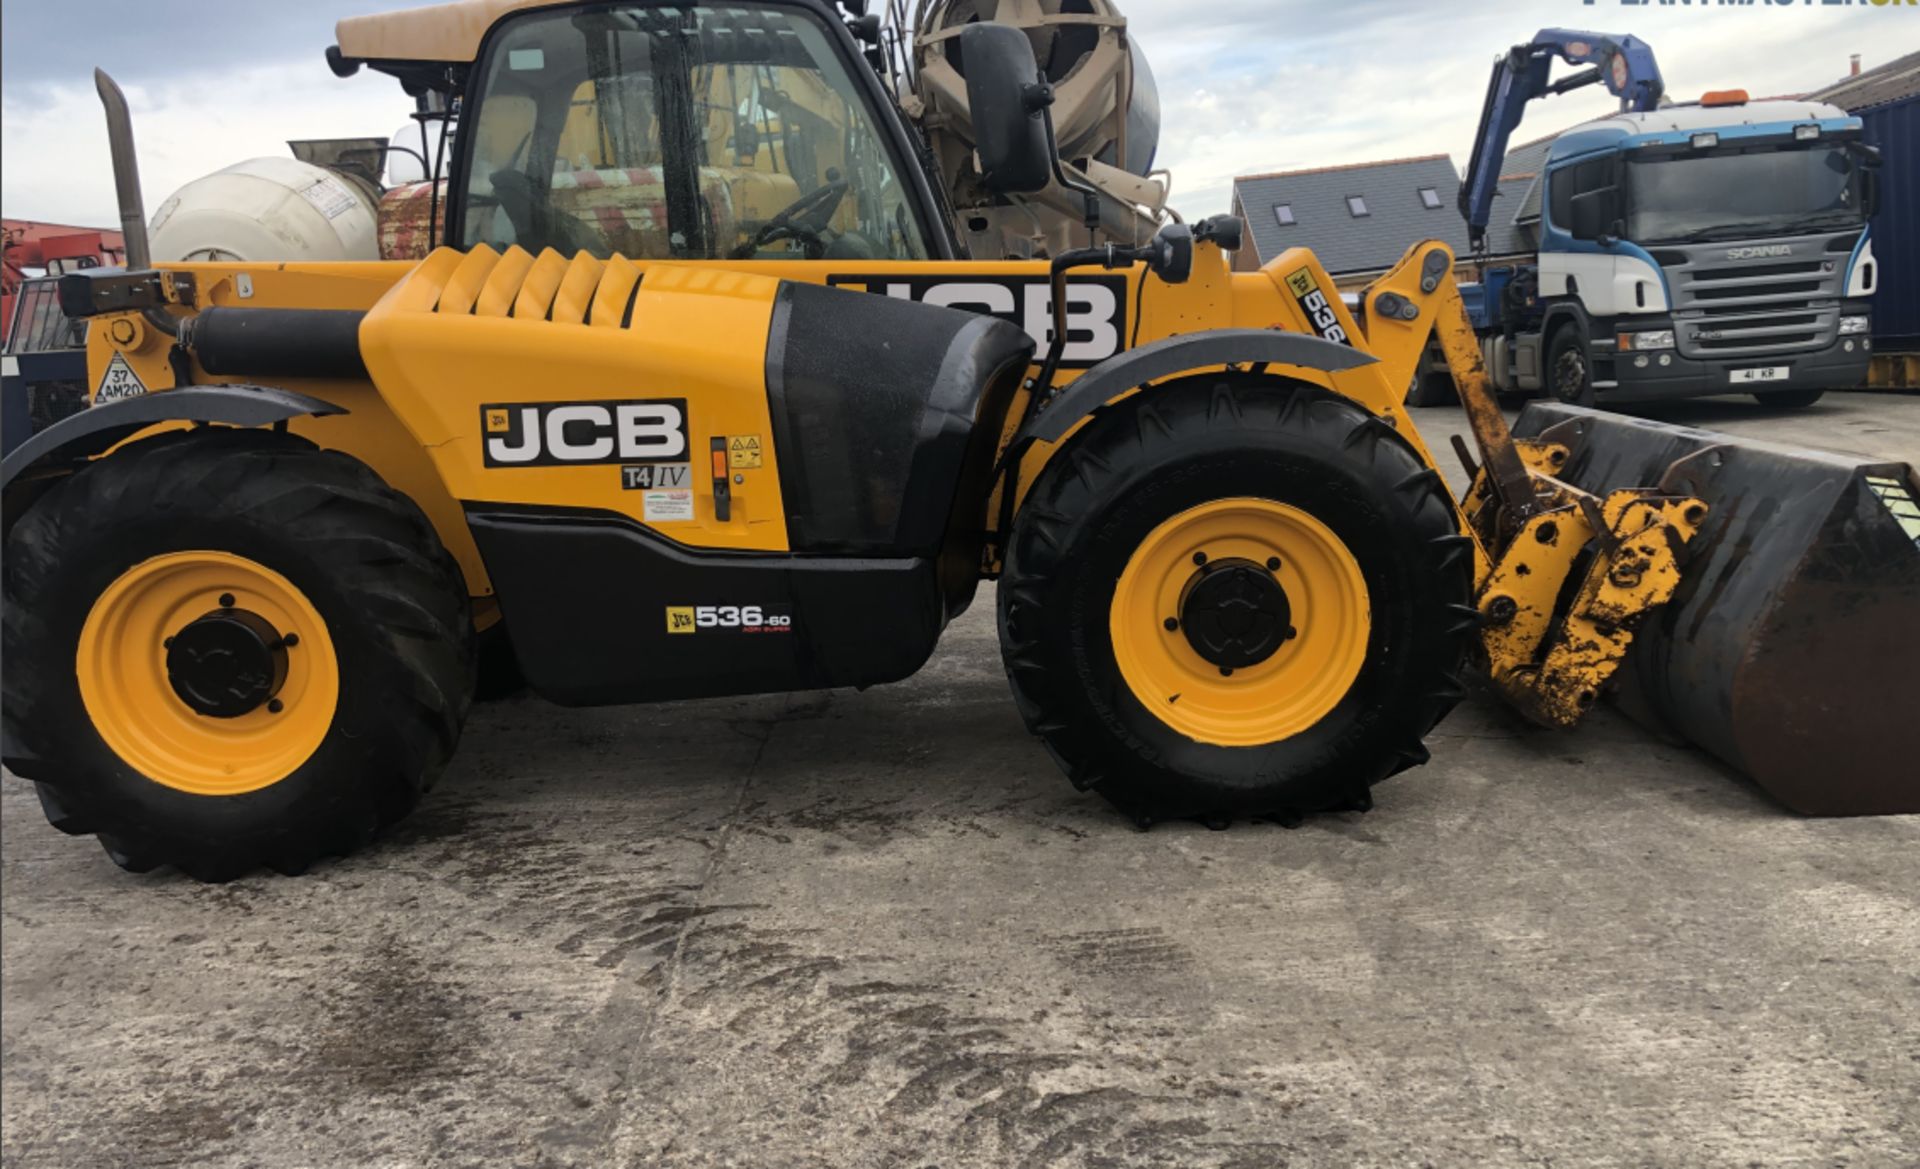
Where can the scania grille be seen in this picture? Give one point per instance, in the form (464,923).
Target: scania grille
(1733,312)
(1807,268)
(1759,341)
(1754,290)
(1761,307)
(1751,334)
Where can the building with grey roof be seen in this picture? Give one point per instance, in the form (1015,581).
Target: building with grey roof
(1898,78)
(1357,219)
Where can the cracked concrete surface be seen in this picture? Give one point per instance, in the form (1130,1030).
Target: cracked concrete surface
(879,929)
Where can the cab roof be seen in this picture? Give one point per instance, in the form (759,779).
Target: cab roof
(1611,130)
(448,32)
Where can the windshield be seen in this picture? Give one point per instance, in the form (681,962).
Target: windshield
(682,133)
(1729,196)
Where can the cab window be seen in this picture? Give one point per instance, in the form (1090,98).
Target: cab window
(681,133)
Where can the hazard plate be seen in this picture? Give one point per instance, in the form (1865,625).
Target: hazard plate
(119,381)
(1771,373)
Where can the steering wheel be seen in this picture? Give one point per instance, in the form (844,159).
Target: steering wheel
(529,210)
(803,219)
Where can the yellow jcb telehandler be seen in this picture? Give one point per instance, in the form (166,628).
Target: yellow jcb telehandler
(663,452)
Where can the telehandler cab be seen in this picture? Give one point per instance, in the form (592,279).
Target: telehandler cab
(667,452)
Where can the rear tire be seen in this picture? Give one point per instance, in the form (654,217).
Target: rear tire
(1189,449)
(1789,399)
(392,618)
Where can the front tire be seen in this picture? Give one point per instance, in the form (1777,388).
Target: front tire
(1569,369)
(229,649)
(1119,631)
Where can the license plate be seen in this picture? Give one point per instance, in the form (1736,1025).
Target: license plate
(1772,373)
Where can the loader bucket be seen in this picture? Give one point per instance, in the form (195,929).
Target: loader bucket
(1791,649)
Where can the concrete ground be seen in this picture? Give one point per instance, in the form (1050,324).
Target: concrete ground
(878,929)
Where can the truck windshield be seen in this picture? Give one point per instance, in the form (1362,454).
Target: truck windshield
(683,133)
(1683,197)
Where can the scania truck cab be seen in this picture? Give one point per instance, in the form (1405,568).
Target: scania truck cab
(1688,249)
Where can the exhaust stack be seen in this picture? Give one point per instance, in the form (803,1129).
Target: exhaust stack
(126,172)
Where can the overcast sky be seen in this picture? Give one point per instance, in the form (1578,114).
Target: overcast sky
(1246,85)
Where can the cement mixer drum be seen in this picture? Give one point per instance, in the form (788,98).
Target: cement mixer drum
(267,209)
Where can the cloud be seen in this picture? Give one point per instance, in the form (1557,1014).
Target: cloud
(1246,85)
(210,83)
(57,167)
(55,43)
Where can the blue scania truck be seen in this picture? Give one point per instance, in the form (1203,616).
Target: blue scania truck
(1682,249)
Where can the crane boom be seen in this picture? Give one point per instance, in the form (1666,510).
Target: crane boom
(1624,64)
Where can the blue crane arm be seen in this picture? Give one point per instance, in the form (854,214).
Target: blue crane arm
(1624,64)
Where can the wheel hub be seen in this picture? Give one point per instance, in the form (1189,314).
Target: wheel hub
(1235,614)
(227,663)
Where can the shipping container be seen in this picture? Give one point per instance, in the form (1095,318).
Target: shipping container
(1895,128)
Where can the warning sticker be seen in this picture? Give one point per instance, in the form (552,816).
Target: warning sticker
(743,452)
(667,506)
(330,197)
(1894,496)
(118,382)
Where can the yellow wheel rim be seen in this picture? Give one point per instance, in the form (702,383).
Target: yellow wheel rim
(1289,691)
(136,709)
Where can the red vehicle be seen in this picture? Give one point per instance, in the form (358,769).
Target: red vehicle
(53,248)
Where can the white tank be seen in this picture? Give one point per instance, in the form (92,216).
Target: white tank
(268,209)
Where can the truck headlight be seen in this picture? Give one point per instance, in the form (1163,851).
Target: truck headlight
(1850,326)
(1650,339)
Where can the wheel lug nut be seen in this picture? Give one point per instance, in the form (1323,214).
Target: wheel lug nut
(167,643)
(275,706)
(1172,623)
(1273,564)
(1199,557)
(1226,671)
(226,600)
(290,640)
(1292,633)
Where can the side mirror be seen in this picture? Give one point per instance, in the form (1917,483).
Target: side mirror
(1170,254)
(746,142)
(1593,214)
(1007,99)
(1867,157)
(406,160)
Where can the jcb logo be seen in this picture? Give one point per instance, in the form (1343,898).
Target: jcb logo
(1313,302)
(1096,306)
(551,434)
